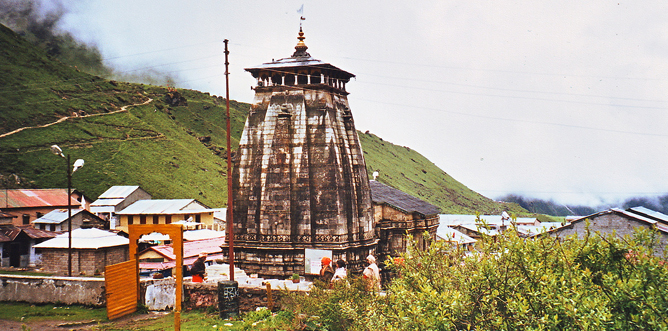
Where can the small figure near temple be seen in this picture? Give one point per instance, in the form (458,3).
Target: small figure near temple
(372,274)
(326,270)
(198,269)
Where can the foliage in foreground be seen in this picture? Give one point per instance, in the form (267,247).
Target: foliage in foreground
(511,283)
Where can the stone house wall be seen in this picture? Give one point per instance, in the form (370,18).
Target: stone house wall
(84,261)
(607,224)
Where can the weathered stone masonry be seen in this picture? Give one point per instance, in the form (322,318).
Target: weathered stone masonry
(300,180)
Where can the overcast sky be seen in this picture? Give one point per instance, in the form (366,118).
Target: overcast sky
(563,100)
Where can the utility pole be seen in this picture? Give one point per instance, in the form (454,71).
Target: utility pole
(69,217)
(230,223)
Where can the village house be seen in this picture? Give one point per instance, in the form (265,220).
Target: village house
(161,258)
(28,205)
(56,220)
(616,221)
(92,250)
(17,243)
(398,214)
(115,199)
(448,234)
(189,212)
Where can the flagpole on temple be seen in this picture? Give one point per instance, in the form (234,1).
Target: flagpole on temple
(230,223)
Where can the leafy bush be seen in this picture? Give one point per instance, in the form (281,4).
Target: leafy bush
(509,283)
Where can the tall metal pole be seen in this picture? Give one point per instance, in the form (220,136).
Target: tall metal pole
(230,223)
(69,217)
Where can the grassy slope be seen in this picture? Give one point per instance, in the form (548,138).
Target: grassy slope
(155,145)
(409,171)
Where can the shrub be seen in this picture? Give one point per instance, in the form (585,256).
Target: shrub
(508,283)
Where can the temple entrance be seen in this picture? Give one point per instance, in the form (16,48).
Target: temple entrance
(122,279)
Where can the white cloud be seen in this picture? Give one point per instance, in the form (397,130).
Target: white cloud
(563,100)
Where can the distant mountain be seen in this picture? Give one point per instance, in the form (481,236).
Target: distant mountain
(539,206)
(170,142)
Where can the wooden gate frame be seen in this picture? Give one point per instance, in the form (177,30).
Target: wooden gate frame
(175,232)
(120,283)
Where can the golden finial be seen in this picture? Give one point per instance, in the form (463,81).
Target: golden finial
(300,49)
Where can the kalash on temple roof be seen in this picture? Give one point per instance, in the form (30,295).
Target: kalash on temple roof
(308,69)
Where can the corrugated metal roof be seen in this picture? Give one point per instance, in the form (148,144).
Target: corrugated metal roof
(85,239)
(165,206)
(489,219)
(202,234)
(479,229)
(25,198)
(450,234)
(9,233)
(37,233)
(191,248)
(56,216)
(383,194)
(3,238)
(118,192)
(649,213)
(106,202)
(171,264)
(623,212)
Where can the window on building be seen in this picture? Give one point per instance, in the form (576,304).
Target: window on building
(142,219)
(156,219)
(39,215)
(198,218)
(26,219)
(168,219)
(52,227)
(130,220)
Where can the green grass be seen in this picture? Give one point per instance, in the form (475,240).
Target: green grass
(190,320)
(26,312)
(23,273)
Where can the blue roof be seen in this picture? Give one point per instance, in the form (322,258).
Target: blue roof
(56,216)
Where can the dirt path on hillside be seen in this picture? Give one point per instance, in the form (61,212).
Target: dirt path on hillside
(123,109)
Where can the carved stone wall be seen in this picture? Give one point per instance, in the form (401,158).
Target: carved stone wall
(300,182)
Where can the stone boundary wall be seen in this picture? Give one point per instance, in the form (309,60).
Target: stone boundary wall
(58,290)
(89,291)
(204,295)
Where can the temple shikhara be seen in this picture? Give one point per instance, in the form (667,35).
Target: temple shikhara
(300,179)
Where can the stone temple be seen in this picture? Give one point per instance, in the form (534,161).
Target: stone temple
(300,179)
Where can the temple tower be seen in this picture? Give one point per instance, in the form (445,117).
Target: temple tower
(300,179)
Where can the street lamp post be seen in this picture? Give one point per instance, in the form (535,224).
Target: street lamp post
(77,164)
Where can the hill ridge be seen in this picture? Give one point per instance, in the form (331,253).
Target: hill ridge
(172,149)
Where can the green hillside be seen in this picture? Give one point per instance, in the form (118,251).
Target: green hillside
(171,143)
(171,151)
(409,171)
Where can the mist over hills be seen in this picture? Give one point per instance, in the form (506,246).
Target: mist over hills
(550,207)
(170,142)
(39,26)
